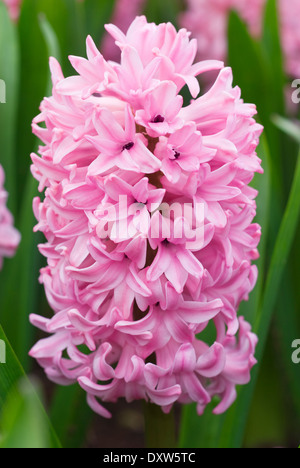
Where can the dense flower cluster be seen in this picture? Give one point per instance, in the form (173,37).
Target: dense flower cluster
(13,8)
(132,299)
(208,19)
(9,236)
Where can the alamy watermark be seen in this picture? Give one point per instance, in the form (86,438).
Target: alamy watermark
(296,93)
(2,352)
(126,220)
(2,92)
(296,353)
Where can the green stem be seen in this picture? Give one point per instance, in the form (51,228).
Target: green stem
(159,427)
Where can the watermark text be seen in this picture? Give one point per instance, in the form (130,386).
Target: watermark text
(296,353)
(296,93)
(2,92)
(2,352)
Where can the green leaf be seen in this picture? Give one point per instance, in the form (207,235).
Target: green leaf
(287,126)
(22,413)
(200,431)
(33,82)
(254,77)
(245,56)
(23,424)
(269,420)
(287,329)
(163,11)
(66,18)
(97,15)
(262,183)
(50,37)
(273,54)
(72,21)
(159,427)
(281,252)
(70,415)
(9,74)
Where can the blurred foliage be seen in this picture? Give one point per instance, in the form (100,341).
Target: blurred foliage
(267,411)
(23,420)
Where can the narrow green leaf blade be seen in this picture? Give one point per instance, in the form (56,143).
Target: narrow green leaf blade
(262,183)
(97,15)
(165,11)
(282,249)
(244,56)
(253,75)
(70,415)
(273,53)
(11,373)
(9,76)
(23,425)
(33,81)
(287,126)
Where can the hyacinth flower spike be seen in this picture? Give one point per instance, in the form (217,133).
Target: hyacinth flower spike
(148,219)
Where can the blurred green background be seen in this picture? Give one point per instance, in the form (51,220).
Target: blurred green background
(35,413)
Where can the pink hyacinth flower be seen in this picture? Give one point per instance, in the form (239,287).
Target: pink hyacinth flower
(133,272)
(9,236)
